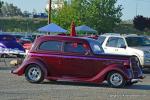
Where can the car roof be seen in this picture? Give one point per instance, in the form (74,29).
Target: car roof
(119,35)
(63,38)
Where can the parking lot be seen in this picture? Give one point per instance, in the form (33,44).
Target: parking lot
(13,87)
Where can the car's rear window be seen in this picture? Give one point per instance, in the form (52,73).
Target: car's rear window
(51,46)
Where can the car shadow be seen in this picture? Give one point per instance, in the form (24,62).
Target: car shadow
(76,84)
(138,87)
(103,85)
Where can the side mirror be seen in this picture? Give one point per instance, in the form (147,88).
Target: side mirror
(123,46)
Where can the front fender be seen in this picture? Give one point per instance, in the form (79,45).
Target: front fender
(101,76)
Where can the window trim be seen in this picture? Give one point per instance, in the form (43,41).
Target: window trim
(73,52)
(38,48)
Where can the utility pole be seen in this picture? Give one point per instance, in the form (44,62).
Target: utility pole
(49,11)
(136,8)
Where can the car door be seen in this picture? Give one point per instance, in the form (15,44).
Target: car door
(115,45)
(50,51)
(75,60)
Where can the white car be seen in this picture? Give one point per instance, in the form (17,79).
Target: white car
(134,45)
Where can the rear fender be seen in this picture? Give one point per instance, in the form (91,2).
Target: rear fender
(39,62)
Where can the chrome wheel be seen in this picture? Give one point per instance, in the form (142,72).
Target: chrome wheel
(115,79)
(34,74)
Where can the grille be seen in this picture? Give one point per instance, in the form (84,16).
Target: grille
(135,65)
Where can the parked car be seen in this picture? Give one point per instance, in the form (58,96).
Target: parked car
(24,40)
(9,46)
(77,59)
(138,46)
(18,37)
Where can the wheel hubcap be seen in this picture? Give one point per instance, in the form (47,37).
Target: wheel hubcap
(34,73)
(116,79)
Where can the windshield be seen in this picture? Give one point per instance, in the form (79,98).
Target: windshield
(96,48)
(137,41)
(101,39)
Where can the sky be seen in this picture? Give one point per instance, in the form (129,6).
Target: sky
(131,8)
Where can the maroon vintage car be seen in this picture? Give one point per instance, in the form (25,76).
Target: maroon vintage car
(64,58)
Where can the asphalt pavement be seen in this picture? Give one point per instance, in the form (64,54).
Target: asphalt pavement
(14,87)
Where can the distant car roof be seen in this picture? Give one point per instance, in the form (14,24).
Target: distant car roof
(7,37)
(120,35)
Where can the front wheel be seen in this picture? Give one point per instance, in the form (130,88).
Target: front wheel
(116,80)
(34,74)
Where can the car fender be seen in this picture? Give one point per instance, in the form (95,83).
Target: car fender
(102,75)
(38,62)
(21,70)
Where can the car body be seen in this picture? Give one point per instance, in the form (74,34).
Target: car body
(64,58)
(24,40)
(134,45)
(9,46)
(18,37)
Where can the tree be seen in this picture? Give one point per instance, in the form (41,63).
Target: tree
(10,10)
(103,15)
(148,23)
(139,22)
(1,4)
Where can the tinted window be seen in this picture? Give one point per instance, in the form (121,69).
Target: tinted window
(96,48)
(116,42)
(137,41)
(121,43)
(51,46)
(112,42)
(74,47)
(101,39)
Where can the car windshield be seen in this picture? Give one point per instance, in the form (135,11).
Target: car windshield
(101,39)
(96,47)
(137,41)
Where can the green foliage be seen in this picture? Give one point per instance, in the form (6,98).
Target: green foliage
(102,15)
(21,25)
(10,10)
(1,4)
(140,23)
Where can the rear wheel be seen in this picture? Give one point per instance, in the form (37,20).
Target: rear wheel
(34,74)
(116,80)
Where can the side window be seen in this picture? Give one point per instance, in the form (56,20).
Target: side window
(51,46)
(112,42)
(121,43)
(75,47)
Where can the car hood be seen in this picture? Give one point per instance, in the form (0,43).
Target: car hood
(13,45)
